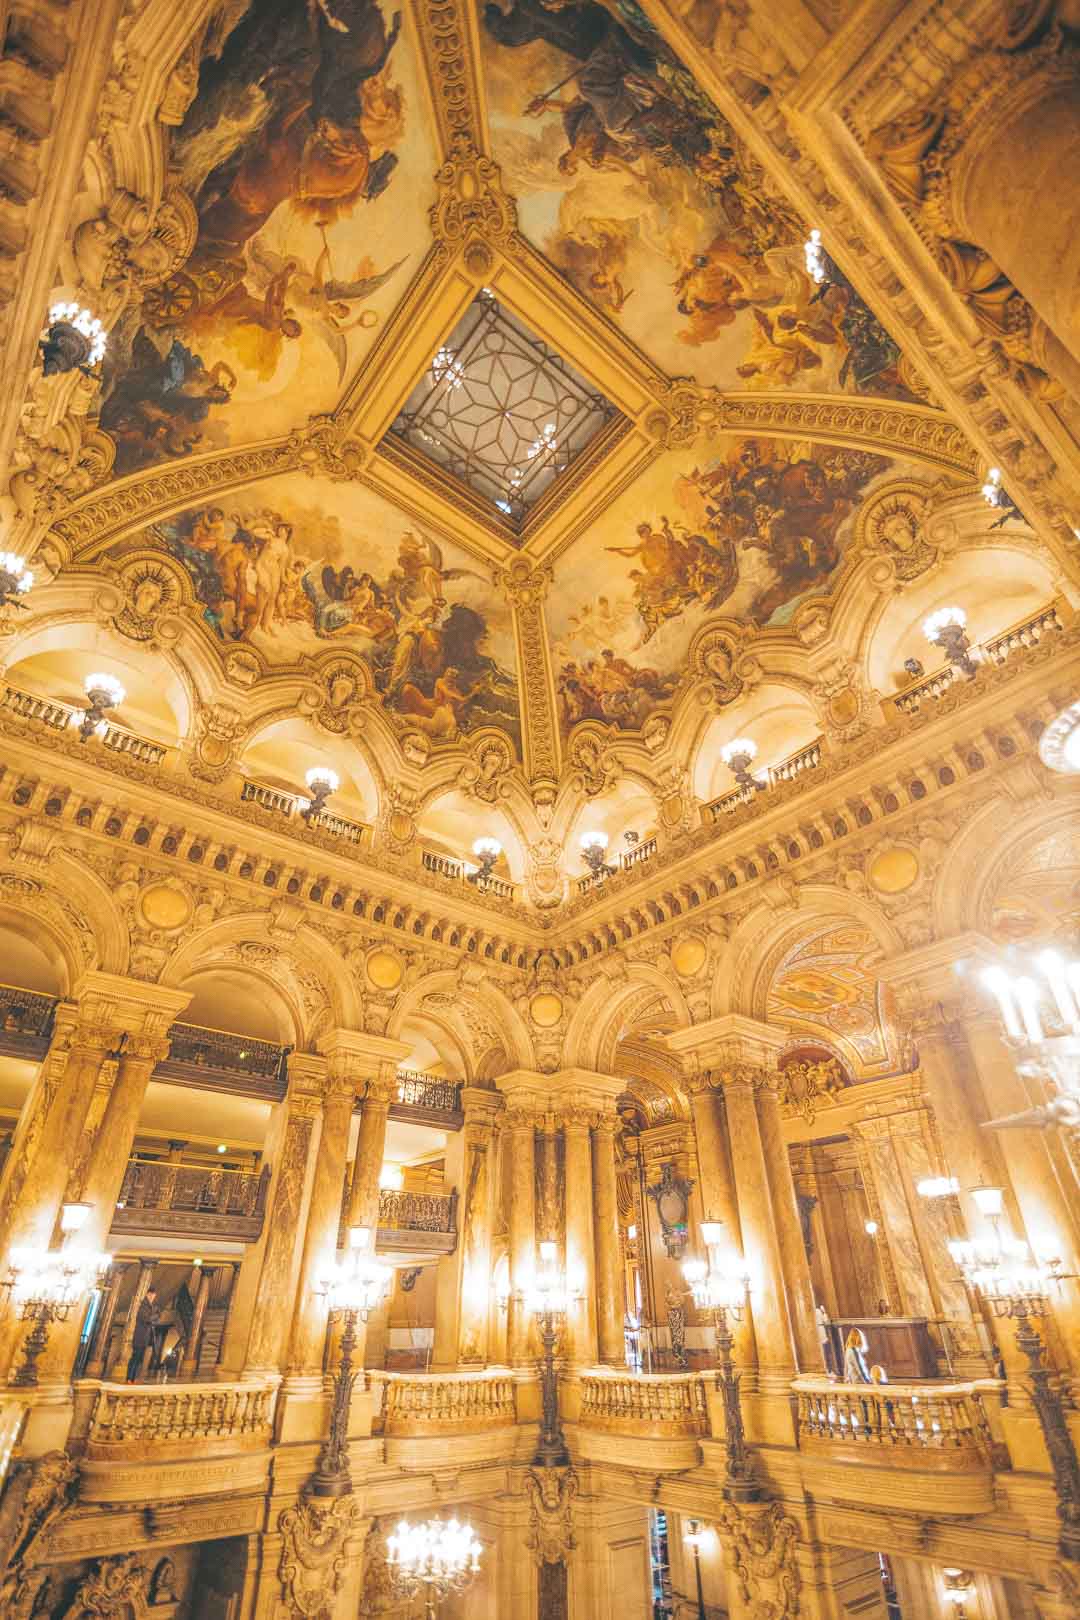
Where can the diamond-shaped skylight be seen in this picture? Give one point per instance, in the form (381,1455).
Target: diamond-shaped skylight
(502,412)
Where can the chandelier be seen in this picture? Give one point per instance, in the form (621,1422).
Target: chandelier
(322,781)
(74,340)
(432,1560)
(1000,1269)
(45,1284)
(15,578)
(105,693)
(1042,1023)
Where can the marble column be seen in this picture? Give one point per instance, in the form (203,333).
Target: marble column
(610,1303)
(521,1139)
(257,1330)
(95,1367)
(118,1365)
(581,1343)
(761,1240)
(370,1150)
(718,1197)
(190,1363)
(463,1279)
(1050,1223)
(324,1212)
(800,1294)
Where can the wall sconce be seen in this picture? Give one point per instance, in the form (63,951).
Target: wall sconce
(947,629)
(74,340)
(15,579)
(959,1589)
(321,782)
(105,693)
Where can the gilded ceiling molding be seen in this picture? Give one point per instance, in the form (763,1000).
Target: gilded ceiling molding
(526,588)
(910,430)
(448,44)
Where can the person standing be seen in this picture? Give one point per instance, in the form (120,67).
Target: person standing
(825,1336)
(143,1337)
(856,1370)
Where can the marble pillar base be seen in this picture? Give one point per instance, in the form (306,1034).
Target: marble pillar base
(303,1406)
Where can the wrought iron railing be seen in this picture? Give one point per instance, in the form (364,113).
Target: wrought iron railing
(434,1404)
(171,1197)
(665,1404)
(26,1012)
(203,1048)
(417,1212)
(879,1420)
(419,1090)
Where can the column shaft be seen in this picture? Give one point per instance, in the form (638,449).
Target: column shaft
(580,1244)
(718,1198)
(370,1148)
(95,1367)
(772,1326)
(118,1367)
(796,1267)
(189,1365)
(610,1304)
(522,1139)
(324,1216)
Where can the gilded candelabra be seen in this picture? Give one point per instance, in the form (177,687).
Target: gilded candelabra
(719,1293)
(44,1284)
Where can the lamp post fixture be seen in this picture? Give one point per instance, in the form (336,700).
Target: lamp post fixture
(354,1287)
(694,1535)
(947,629)
(74,340)
(738,755)
(593,849)
(46,1283)
(1044,1031)
(15,579)
(432,1560)
(105,694)
(548,1300)
(1002,1273)
(719,1292)
(321,781)
(487,851)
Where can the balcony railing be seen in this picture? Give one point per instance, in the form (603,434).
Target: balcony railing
(935,1426)
(26,1021)
(624,860)
(448,866)
(282,803)
(163,1197)
(1019,637)
(417,1212)
(157,1421)
(460,1403)
(804,759)
(216,1060)
(422,1096)
(59,716)
(644,1405)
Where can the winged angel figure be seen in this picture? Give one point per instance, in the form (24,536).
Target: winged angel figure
(326,303)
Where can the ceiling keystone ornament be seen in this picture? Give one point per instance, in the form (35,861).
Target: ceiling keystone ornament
(805,1087)
(485,775)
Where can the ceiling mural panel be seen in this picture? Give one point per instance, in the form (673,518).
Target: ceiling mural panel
(827,986)
(303,567)
(308,158)
(1038,897)
(638,191)
(746,532)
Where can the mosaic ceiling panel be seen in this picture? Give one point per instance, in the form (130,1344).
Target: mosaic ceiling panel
(826,986)
(632,184)
(309,163)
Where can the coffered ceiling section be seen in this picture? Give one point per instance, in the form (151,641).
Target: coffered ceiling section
(304,170)
(637,190)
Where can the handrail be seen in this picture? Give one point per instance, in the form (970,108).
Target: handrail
(930,1417)
(26,1012)
(643,1403)
(206,1048)
(1026,632)
(419,1090)
(426,1403)
(281,802)
(627,858)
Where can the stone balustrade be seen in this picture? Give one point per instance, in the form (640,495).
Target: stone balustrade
(459,871)
(928,1426)
(644,1404)
(451,1403)
(155,1421)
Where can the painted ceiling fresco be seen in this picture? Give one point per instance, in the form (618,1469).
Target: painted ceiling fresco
(308,158)
(826,986)
(745,532)
(632,184)
(296,568)
(1038,899)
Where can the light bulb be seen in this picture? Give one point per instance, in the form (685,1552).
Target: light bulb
(935,623)
(712,1232)
(870,1227)
(322,773)
(359,1237)
(104,685)
(548,1251)
(594,840)
(73,1217)
(739,746)
(989,1201)
(487,846)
